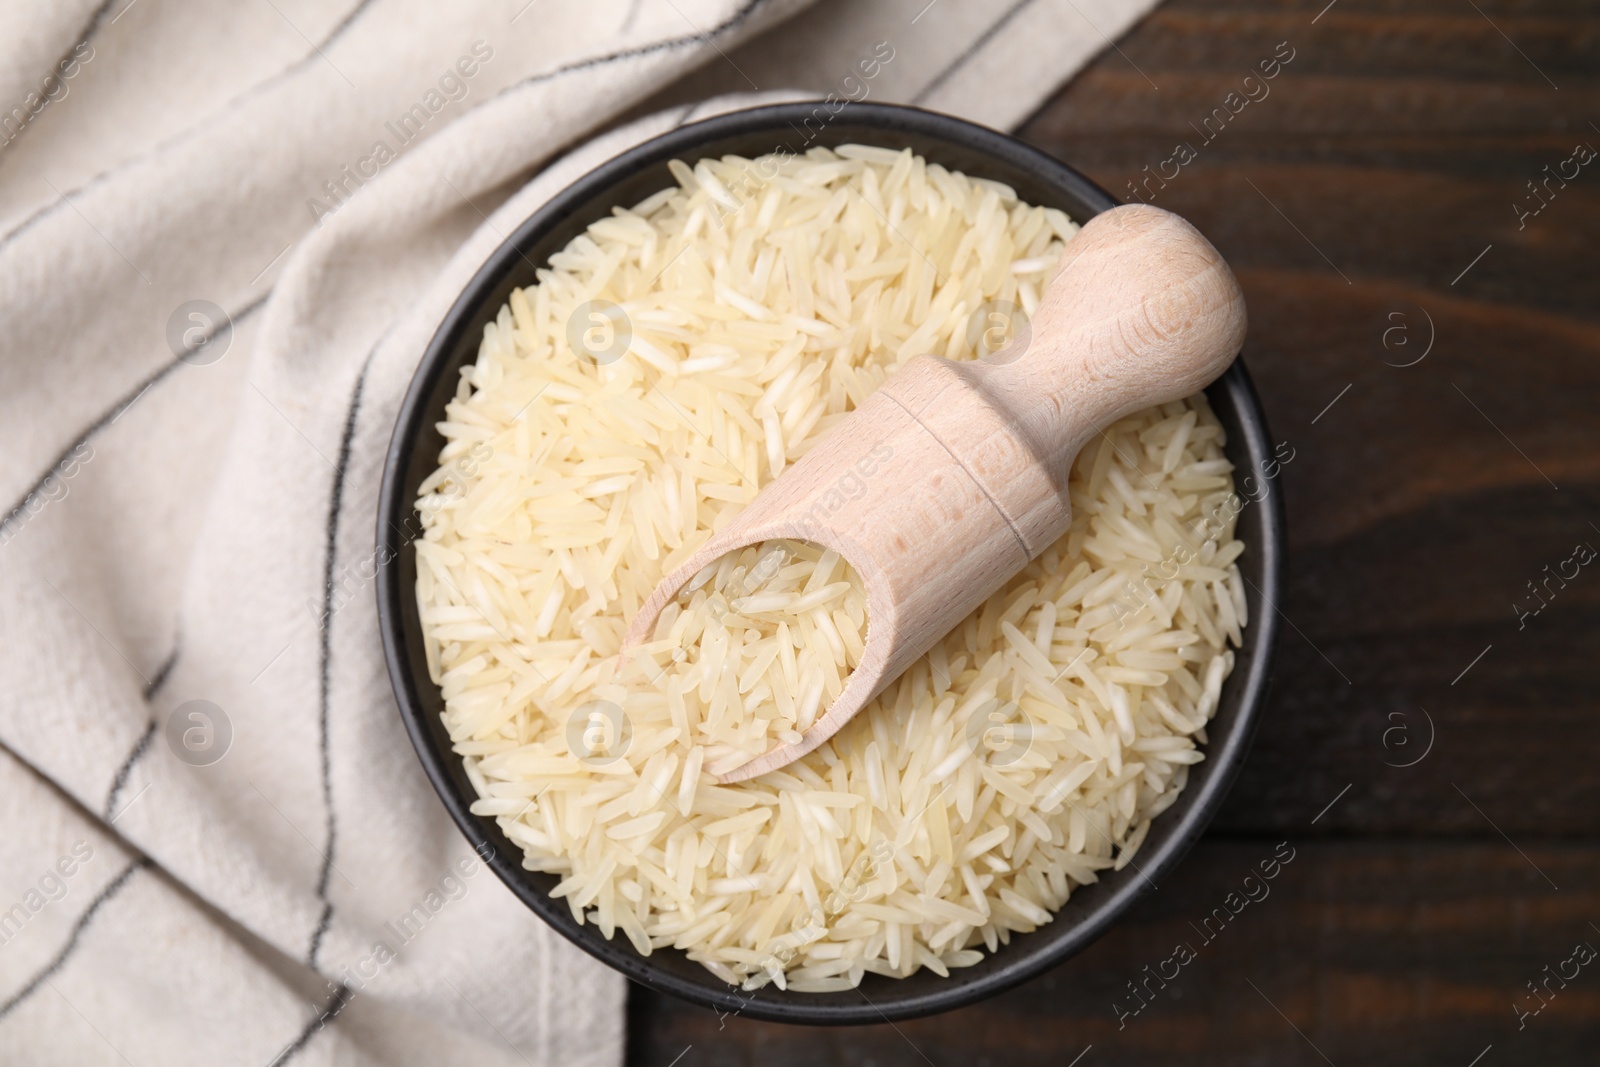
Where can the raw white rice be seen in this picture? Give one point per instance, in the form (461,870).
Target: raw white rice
(755,648)
(1021,757)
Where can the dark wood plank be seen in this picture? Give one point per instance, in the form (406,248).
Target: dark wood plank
(1378,953)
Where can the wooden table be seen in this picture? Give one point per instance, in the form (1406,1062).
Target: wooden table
(1369,203)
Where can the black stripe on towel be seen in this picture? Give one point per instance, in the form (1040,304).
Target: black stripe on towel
(323,921)
(325,651)
(733,22)
(335,1004)
(72,940)
(141,746)
(112,414)
(314,54)
(163,672)
(973,49)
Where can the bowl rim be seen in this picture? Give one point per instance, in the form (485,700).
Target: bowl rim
(1190,814)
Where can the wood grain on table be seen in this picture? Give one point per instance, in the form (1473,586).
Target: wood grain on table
(1429,749)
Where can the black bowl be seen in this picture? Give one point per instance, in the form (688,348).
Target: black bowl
(413,454)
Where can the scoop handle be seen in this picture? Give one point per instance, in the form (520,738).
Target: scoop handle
(1142,311)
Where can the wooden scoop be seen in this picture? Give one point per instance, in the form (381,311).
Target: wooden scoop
(964,465)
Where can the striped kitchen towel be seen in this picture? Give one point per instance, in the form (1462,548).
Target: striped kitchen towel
(227,231)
